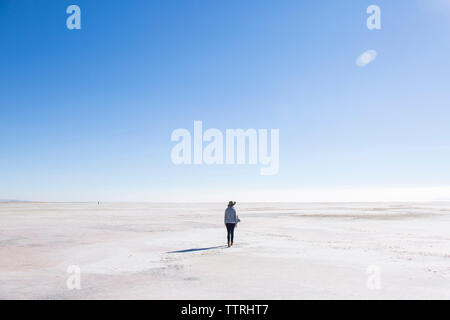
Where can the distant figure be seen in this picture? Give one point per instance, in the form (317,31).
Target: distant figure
(231,221)
(98,202)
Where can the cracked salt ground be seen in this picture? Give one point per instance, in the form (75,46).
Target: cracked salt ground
(281,251)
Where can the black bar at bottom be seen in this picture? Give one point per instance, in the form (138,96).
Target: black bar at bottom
(222,309)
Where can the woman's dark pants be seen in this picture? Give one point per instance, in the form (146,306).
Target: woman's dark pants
(230,231)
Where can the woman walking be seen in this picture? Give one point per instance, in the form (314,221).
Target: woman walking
(231,220)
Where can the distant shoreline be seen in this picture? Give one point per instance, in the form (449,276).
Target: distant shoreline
(216,202)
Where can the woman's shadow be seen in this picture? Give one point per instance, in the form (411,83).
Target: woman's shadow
(197,249)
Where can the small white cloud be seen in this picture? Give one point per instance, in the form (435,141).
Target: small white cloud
(366,58)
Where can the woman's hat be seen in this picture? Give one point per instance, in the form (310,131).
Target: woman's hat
(231,203)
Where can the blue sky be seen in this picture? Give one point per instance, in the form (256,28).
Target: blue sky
(88,114)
